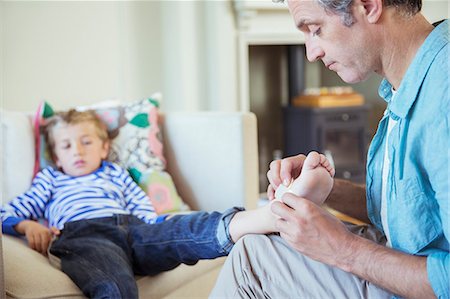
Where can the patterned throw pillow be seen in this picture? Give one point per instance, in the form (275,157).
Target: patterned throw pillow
(136,145)
(161,191)
(42,156)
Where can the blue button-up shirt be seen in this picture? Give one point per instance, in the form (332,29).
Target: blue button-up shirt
(419,150)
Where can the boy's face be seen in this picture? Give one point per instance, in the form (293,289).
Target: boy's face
(78,149)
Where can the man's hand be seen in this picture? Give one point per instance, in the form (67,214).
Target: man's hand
(38,235)
(319,235)
(283,172)
(311,230)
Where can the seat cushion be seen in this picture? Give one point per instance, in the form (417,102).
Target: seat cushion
(192,290)
(188,281)
(29,274)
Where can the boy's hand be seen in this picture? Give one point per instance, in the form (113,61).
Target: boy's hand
(38,235)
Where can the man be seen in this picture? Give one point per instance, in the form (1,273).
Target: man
(407,187)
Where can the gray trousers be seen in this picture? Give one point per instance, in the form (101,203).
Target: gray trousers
(262,266)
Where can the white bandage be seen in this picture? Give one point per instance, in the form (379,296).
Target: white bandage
(281,190)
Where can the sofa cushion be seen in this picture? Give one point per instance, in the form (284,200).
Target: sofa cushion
(30,275)
(183,279)
(17,154)
(191,290)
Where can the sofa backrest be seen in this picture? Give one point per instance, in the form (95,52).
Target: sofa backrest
(212,157)
(17,153)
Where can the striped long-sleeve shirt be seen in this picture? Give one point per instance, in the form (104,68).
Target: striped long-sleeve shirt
(60,198)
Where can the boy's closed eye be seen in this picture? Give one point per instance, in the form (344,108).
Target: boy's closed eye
(86,141)
(65,145)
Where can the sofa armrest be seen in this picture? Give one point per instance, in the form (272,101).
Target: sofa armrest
(213,158)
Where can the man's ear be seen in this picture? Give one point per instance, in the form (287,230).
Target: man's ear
(373,10)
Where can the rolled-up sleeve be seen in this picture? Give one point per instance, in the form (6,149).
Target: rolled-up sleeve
(438,265)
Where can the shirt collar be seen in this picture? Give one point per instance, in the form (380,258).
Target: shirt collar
(412,81)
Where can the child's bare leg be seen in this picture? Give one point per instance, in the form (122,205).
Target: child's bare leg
(315,180)
(259,221)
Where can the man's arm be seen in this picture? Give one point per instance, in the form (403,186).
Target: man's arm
(315,233)
(349,198)
(398,272)
(370,261)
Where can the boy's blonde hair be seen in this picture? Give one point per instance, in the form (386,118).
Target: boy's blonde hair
(73,117)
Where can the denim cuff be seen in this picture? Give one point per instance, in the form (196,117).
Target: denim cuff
(223,229)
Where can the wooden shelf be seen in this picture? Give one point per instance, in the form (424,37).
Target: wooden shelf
(330,100)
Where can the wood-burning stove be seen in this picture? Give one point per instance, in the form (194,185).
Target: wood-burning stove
(339,132)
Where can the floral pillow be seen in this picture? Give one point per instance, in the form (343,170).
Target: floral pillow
(135,145)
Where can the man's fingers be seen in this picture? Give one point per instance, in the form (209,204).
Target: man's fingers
(273,175)
(293,209)
(270,193)
(283,227)
(283,171)
(292,200)
(282,210)
(291,168)
(286,171)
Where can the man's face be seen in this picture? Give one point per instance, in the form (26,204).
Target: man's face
(78,149)
(344,50)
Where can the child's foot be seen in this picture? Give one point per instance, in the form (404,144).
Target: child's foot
(314,183)
(315,180)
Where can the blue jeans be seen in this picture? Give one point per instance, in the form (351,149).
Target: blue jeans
(102,255)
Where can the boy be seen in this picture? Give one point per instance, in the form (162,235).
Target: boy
(105,226)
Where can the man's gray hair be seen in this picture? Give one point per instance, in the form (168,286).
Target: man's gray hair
(343,8)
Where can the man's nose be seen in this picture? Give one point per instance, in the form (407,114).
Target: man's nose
(313,51)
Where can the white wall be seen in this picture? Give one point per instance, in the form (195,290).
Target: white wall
(200,59)
(1,56)
(435,10)
(73,53)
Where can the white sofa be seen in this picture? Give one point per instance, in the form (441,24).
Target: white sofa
(212,157)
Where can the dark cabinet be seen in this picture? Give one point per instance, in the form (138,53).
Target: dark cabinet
(339,132)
